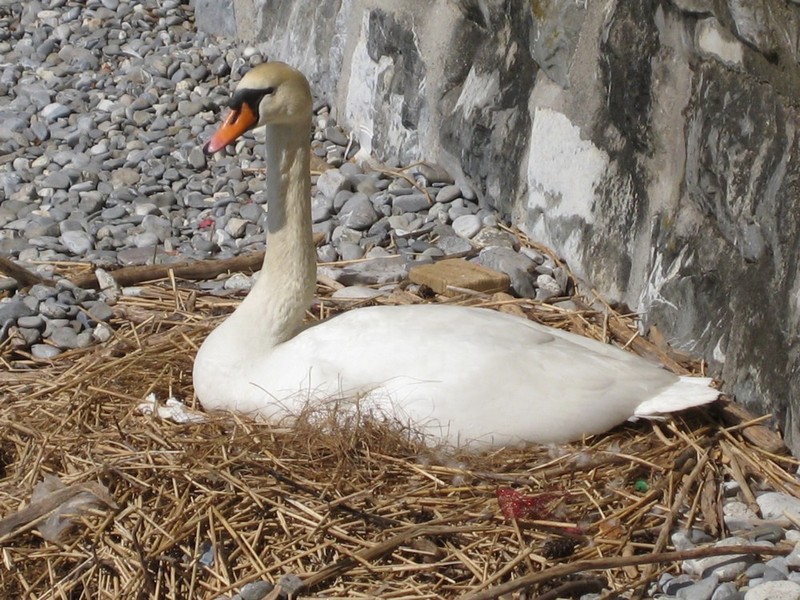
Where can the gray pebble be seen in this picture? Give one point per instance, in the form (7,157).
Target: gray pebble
(774,590)
(64,337)
(702,590)
(358,213)
(14,309)
(98,310)
(41,226)
(410,203)
(252,212)
(453,244)
(516,266)
(236,227)
(336,136)
(102,332)
(255,590)
(727,568)
(31,322)
(55,110)
(547,287)
(448,194)
(332,182)
(673,584)
(77,242)
(378,271)
(350,251)
(44,351)
(26,335)
(726,591)
(357,292)
(774,505)
(238,281)
(433,173)
(467,226)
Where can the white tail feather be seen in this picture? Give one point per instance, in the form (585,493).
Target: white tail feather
(684,393)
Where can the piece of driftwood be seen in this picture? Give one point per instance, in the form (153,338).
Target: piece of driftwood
(24,277)
(197,270)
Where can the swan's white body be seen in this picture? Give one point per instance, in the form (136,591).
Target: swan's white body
(459,374)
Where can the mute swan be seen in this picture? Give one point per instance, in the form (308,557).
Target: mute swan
(459,374)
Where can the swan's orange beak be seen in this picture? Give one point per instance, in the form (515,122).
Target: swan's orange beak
(237,122)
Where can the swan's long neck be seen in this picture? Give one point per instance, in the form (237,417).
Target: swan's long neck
(274,309)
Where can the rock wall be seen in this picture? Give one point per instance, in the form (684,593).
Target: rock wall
(651,143)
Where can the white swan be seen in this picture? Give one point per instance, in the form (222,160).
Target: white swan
(460,374)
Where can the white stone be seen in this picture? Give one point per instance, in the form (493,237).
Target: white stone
(102,332)
(467,225)
(238,281)
(236,226)
(356,292)
(727,567)
(776,506)
(774,590)
(331,182)
(77,242)
(738,516)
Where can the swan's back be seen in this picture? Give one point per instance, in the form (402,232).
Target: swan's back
(465,374)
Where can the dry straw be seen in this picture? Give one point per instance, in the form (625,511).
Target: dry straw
(361,509)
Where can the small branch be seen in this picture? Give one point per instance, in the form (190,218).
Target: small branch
(616,562)
(23,277)
(196,270)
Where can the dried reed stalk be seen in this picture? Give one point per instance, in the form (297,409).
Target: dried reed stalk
(355,509)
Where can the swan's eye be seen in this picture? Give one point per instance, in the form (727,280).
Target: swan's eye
(269,91)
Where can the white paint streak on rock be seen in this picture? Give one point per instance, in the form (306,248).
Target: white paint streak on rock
(358,109)
(479,91)
(563,173)
(711,38)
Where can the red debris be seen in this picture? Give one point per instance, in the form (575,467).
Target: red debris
(205,223)
(515,505)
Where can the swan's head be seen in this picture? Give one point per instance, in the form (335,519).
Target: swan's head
(271,93)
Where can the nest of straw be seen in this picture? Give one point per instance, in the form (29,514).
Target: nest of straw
(355,510)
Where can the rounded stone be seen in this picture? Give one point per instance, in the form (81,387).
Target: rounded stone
(467,226)
(44,351)
(774,590)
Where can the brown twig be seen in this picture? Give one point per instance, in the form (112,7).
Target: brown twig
(23,277)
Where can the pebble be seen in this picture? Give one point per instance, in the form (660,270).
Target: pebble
(77,242)
(517,266)
(777,505)
(774,590)
(357,292)
(448,194)
(467,226)
(727,568)
(331,182)
(410,203)
(358,213)
(702,590)
(44,351)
